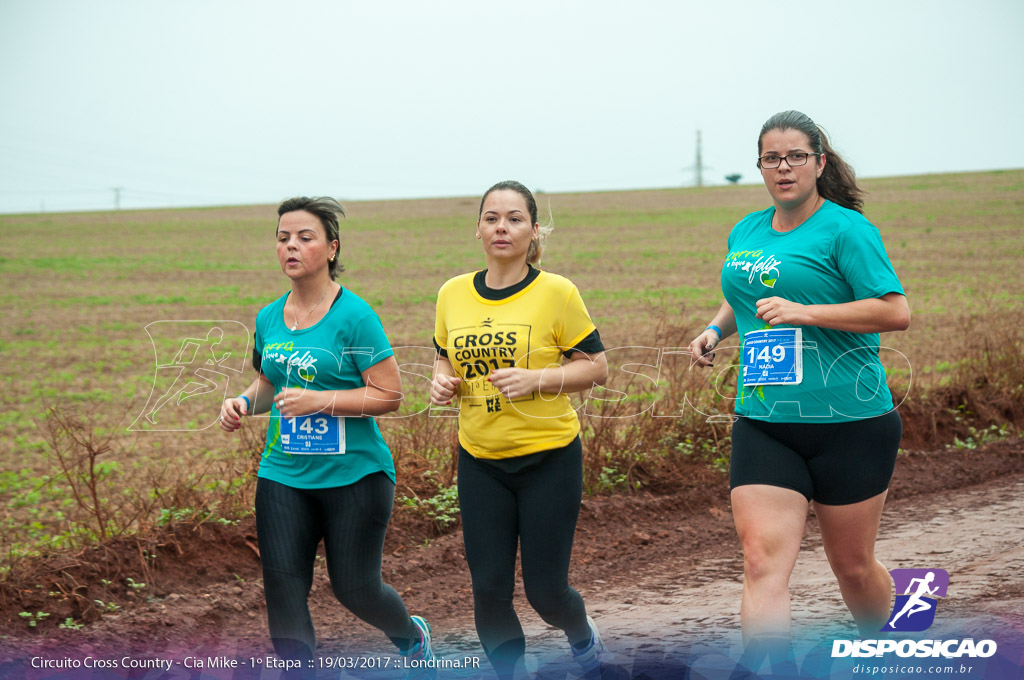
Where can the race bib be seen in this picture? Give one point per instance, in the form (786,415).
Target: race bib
(314,434)
(773,357)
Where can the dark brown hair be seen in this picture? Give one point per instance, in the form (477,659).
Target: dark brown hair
(326,209)
(837,183)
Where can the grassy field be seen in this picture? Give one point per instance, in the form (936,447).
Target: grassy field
(80,291)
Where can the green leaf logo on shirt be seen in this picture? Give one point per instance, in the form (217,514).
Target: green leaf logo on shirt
(275,427)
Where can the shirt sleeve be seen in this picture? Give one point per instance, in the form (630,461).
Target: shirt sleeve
(440,331)
(257,349)
(863,262)
(576,323)
(370,343)
(589,345)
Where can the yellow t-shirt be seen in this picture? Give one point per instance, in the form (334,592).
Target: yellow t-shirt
(528,329)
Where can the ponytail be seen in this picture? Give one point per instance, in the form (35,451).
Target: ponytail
(838,183)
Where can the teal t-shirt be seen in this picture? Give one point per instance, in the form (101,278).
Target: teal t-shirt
(320,450)
(835,256)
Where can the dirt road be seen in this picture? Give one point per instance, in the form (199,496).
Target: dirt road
(975,534)
(662,575)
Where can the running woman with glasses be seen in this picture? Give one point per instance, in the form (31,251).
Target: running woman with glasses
(324,369)
(808,286)
(502,334)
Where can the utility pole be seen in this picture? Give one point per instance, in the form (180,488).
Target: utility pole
(118,190)
(698,167)
(700,164)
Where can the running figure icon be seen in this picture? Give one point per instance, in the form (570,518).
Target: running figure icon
(916,603)
(193,370)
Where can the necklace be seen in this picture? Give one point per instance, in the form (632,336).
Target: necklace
(296,316)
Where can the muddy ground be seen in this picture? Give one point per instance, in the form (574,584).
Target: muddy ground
(654,570)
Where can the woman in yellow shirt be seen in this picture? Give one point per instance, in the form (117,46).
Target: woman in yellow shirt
(501,336)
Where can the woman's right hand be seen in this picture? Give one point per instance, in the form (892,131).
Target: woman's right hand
(701,348)
(231,412)
(442,389)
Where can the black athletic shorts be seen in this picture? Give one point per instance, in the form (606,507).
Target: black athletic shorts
(831,463)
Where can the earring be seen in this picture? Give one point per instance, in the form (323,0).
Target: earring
(332,258)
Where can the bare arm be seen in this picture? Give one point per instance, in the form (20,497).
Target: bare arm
(582,372)
(260,394)
(873,315)
(726,320)
(701,346)
(382,394)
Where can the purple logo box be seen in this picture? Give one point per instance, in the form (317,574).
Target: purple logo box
(939,580)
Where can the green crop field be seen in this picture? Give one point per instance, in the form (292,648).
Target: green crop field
(80,291)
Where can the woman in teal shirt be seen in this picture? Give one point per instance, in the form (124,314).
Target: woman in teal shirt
(809,287)
(325,367)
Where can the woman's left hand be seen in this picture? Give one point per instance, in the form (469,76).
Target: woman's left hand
(298,401)
(515,382)
(776,310)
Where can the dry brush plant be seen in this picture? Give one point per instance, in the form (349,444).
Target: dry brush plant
(981,396)
(659,417)
(100,487)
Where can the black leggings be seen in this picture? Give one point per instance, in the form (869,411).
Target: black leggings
(352,521)
(534,501)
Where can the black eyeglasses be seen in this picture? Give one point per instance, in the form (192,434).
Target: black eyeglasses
(772,161)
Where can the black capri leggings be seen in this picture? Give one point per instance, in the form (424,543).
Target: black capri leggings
(351,520)
(831,463)
(534,501)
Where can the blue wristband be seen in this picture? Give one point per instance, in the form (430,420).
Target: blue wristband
(248,404)
(716,329)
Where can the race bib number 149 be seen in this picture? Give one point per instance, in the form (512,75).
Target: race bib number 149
(773,357)
(314,434)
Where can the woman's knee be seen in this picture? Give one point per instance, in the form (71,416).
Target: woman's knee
(493,590)
(770,524)
(854,568)
(293,583)
(548,600)
(353,594)
(765,561)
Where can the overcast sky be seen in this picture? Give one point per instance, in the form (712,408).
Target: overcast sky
(206,102)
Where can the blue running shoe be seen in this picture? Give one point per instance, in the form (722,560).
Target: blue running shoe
(420,661)
(589,659)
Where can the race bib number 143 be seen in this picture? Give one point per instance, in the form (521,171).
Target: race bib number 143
(314,434)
